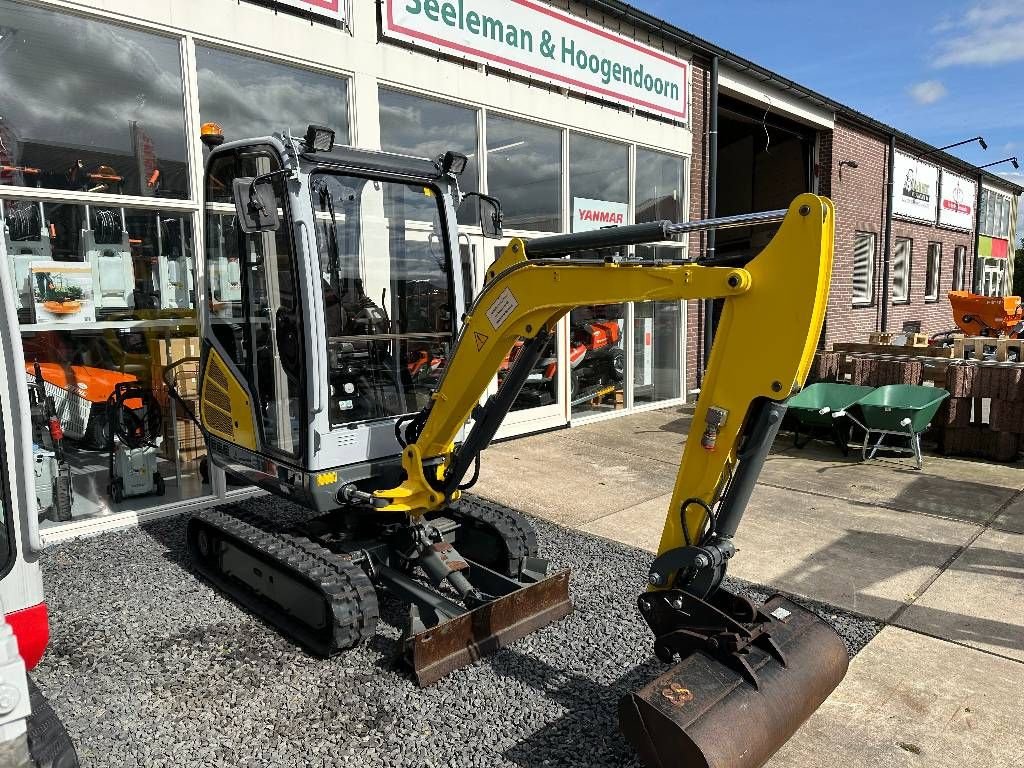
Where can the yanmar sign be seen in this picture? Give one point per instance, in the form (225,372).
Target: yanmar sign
(595,214)
(544,43)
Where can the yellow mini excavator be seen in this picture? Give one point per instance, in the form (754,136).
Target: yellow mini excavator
(330,275)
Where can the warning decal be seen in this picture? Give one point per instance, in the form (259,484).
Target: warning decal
(480,340)
(502,307)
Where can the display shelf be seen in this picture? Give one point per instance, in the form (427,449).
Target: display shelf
(112,325)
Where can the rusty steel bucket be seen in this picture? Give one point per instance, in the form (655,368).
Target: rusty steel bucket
(703,713)
(439,650)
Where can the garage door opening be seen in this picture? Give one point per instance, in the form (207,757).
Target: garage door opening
(764,161)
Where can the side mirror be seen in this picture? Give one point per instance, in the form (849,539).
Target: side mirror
(255,205)
(489,210)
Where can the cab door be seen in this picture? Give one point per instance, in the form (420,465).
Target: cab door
(254,316)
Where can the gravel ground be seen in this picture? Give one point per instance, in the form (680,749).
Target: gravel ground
(149,666)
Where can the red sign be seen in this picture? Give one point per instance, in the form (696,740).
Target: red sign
(332,9)
(955,207)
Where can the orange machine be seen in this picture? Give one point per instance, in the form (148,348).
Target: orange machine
(977,315)
(80,394)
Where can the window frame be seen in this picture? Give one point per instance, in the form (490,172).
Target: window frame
(864,302)
(908,269)
(933,271)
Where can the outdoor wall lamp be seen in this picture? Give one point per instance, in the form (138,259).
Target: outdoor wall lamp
(847,163)
(978,139)
(1012,160)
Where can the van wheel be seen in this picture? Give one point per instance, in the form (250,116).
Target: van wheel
(48,740)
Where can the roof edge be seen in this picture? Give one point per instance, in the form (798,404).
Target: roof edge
(644,20)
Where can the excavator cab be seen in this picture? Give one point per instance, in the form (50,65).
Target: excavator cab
(341,369)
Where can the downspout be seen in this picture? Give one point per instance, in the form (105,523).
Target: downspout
(709,251)
(887,241)
(977,236)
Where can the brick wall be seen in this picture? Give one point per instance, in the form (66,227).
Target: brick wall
(859,194)
(698,209)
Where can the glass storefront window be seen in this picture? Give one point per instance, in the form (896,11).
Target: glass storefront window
(598,170)
(524,171)
(106,298)
(660,196)
(250,97)
(80,264)
(599,191)
(89,106)
(413,125)
(657,346)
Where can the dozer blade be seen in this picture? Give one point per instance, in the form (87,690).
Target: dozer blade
(440,650)
(703,713)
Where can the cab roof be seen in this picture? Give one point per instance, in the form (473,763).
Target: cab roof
(377,162)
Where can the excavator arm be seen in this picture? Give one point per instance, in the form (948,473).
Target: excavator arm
(747,676)
(779,295)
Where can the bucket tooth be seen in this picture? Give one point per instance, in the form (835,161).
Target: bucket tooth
(436,652)
(704,713)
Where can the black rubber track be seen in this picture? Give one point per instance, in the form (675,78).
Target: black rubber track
(346,589)
(48,741)
(482,520)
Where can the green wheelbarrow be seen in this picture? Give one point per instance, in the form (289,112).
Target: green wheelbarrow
(897,409)
(823,406)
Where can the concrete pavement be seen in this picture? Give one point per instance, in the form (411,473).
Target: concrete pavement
(936,554)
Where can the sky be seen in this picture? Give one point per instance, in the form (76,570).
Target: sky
(942,71)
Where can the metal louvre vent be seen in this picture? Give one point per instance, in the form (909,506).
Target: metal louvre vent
(218,397)
(217,373)
(216,401)
(218,421)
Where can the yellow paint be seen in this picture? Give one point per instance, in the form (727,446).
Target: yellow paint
(236,426)
(326,478)
(773,316)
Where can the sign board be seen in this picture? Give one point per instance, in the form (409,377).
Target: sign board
(596,214)
(915,188)
(957,199)
(547,44)
(62,291)
(332,9)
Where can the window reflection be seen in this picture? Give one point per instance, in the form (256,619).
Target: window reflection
(524,171)
(660,196)
(598,169)
(412,125)
(251,97)
(104,115)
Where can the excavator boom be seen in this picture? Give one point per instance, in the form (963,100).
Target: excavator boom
(748,676)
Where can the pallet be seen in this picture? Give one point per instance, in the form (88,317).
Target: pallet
(892,351)
(913,339)
(987,348)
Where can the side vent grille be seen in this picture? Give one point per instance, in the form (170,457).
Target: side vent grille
(216,401)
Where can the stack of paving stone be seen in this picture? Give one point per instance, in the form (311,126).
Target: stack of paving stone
(984,415)
(877,373)
(825,367)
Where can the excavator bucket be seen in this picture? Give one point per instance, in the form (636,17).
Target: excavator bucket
(440,650)
(705,713)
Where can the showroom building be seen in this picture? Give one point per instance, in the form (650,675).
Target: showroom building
(575,114)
